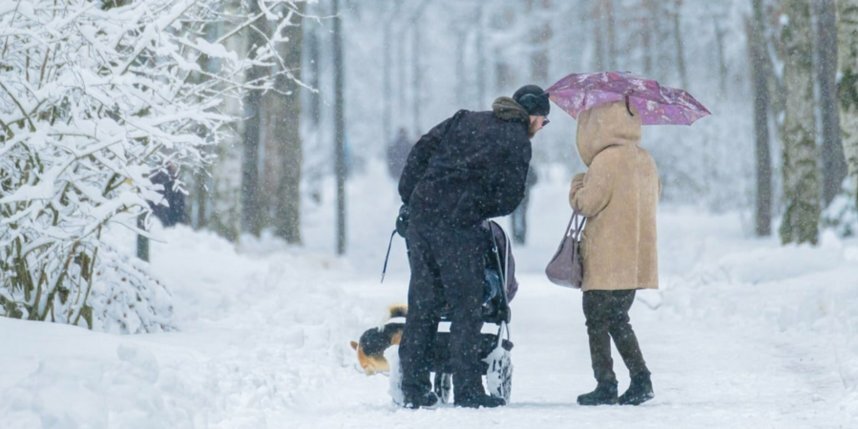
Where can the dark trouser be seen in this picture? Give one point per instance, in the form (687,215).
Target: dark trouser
(607,314)
(455,256)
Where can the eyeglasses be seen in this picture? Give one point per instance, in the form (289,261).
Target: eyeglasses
(545,122)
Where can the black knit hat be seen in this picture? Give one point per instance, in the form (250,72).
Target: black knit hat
(533,99)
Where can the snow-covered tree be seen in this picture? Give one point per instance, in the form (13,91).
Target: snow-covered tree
(95,98)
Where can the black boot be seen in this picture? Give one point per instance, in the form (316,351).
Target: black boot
(605,394)
(640,390)
(424,400)
(477,401)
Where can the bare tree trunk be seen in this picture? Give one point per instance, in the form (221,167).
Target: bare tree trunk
(339,129)
(662,54)
(461,76)
(251,213)
(417,69)
(400,76)
(756,45)
(286,131)
(647,36)
(847,35)
(142,241)
(610,20)
(597,22)
(833,161)
(312,173)
(504,72)
(200,200)
(481,57)
(541,37)
(722,61)
(314,56)
(201,197)
(386,65)
(801,182)
(774,52)
(680,49)
(416,75)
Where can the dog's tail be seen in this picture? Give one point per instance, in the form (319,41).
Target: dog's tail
(398,310)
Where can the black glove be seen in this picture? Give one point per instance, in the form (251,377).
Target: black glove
(402,221)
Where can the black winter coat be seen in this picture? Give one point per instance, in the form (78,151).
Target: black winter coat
(471,167)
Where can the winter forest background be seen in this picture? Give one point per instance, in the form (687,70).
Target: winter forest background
(273,117)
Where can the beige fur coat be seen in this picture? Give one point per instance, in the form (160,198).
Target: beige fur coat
(618,194)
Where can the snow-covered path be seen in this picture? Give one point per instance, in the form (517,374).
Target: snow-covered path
(703,375)
(712,366)
(743,333)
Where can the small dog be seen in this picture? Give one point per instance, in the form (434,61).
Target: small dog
(372,344)
(374,341)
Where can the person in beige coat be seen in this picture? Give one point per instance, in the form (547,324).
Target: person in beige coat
(618,195)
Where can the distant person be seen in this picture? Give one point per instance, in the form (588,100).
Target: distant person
(519,216)
(397,153)
(618,195)
(469,168)
(170,210)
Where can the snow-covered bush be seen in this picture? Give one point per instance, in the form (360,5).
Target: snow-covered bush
(842,214)
(95,98)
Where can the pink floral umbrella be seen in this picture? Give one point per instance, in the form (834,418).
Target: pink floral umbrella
(656,104)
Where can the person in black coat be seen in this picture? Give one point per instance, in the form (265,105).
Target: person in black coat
(397,153)
(470,167)
(170,210)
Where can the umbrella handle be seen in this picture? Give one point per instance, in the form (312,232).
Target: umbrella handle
(627,106)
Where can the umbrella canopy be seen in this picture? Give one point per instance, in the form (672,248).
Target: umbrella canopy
(656,104)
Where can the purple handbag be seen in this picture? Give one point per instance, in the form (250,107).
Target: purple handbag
(566,268)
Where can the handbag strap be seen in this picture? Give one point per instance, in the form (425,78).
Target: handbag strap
(576,224)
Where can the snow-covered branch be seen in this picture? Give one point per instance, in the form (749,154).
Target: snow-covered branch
(94,101)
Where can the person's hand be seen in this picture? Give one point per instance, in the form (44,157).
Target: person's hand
(575,186)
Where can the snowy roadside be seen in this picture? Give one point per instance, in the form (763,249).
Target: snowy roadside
(257,332)
(798,299)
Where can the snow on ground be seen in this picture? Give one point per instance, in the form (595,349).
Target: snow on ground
(743,333)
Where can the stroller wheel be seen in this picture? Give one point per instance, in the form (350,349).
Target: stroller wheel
(443,386)
(499,374)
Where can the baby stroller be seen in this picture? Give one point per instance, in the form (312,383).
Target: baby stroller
(499,286)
